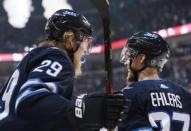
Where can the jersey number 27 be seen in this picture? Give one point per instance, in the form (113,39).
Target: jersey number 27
(165,120)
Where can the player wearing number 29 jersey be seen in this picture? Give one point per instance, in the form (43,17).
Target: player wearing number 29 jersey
(37,97)
(43,71)
(154,104)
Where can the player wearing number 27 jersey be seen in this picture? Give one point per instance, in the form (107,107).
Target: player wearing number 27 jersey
(154,104)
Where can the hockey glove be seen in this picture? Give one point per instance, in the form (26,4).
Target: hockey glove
(96,111)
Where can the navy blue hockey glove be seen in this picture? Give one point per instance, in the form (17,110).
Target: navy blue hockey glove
(114,105)
(96,110)
(124,113)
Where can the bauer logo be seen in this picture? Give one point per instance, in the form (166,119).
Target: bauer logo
(80,107)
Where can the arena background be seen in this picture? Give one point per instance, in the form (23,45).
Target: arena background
(22,25)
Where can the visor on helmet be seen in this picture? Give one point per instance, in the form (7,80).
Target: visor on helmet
(127,54)
(86,44)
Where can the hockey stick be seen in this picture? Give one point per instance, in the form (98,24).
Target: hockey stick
(103,8)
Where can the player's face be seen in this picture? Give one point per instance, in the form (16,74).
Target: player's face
(133,69)
(130,58)
(132,61)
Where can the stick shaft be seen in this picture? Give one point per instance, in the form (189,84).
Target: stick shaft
(103,8)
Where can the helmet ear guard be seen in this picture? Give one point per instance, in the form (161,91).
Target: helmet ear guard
(158,62)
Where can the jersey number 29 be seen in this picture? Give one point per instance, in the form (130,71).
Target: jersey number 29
(53,69)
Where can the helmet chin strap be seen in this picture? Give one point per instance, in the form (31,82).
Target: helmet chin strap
(136,72)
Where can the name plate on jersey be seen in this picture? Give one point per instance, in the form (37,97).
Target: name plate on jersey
(165,99)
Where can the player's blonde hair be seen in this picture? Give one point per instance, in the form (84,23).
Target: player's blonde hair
(68,38)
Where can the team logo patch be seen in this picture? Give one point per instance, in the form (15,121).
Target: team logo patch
(151,35)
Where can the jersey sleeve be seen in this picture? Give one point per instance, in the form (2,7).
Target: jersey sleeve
(44,97)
